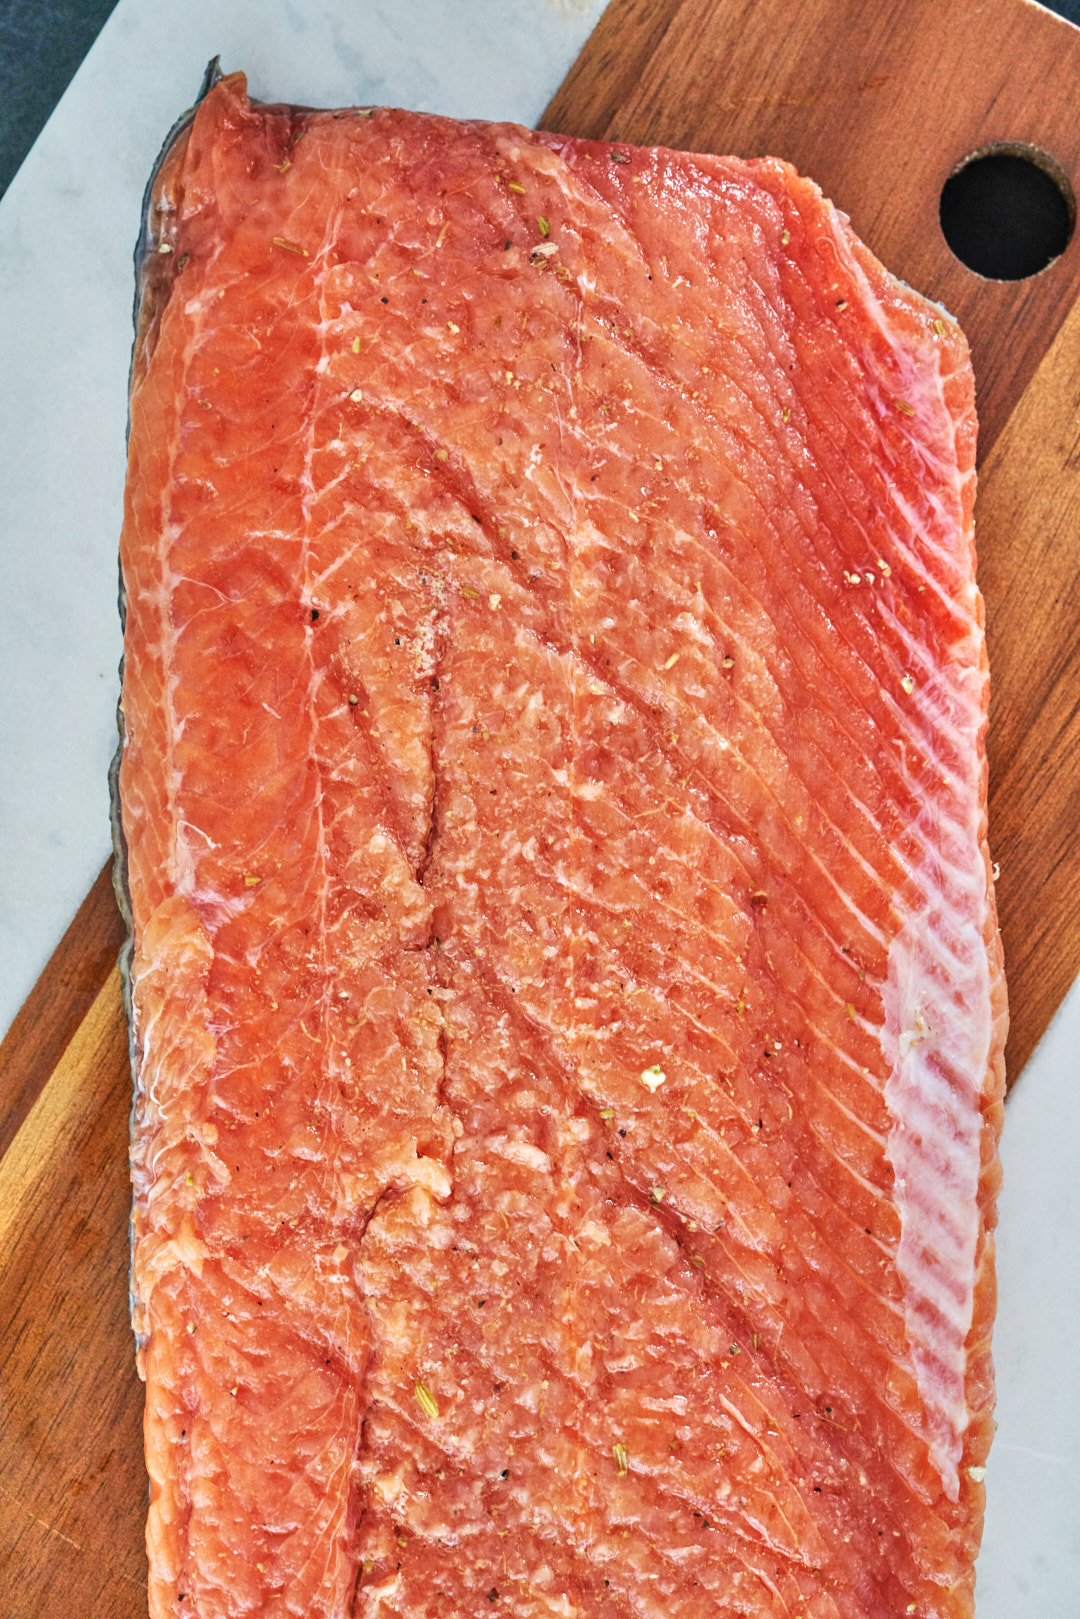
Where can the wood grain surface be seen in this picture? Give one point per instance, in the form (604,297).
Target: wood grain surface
(72,1482)
(878,103)
(58,1003)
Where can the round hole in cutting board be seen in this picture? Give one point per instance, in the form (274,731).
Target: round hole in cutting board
(1007,211)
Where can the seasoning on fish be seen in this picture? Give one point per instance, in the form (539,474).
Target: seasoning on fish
(568,1004)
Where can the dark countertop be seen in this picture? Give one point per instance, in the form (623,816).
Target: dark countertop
(42,43)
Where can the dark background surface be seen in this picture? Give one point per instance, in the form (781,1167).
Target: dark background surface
(42,43)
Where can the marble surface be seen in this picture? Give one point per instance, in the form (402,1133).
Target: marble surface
(67,227)
(1030,1563)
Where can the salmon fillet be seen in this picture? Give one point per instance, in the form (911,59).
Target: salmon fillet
(568,1008)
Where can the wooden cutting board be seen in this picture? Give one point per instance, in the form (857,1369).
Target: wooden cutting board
(878,102)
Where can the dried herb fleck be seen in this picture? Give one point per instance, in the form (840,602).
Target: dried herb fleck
(426,1400)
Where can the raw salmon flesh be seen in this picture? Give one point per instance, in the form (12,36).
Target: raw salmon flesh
(568,1005)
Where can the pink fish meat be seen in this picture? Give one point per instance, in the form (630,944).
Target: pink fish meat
(568,1003)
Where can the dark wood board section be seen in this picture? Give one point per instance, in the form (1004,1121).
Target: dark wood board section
(1028,524)
(878,103)
(57,1004)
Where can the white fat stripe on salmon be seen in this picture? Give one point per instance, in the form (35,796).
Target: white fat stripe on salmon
(938,1004)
